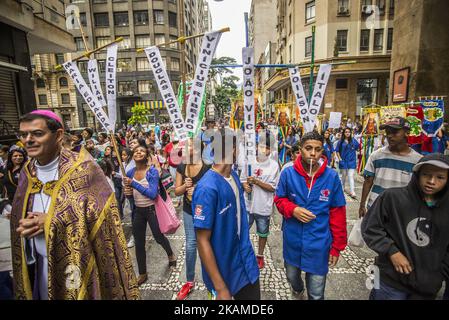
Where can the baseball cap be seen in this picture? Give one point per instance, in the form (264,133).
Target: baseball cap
(396,123)
(436,159)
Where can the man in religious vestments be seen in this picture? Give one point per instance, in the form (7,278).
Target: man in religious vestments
(66,234)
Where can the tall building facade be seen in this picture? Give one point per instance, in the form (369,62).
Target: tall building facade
(26,28)
(140,24)
(346,30)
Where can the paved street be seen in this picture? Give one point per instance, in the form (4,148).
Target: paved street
(345,282)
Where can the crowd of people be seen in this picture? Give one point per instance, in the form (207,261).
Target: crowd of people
(66,197)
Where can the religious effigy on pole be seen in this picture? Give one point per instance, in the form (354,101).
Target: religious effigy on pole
(283,121)
(370,132)
(237,114)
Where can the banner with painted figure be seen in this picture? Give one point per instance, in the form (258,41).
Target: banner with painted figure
(166,90)
(237,115)
(94,80)
(111,83)
(284,128)
(208,47)
(370,121)
(87,94)
(415,117)
(389,112)
(249,105)
(433,110)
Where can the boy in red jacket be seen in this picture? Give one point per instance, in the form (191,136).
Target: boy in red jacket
(311,199)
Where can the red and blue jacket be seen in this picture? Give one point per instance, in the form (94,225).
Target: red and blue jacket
(308,245)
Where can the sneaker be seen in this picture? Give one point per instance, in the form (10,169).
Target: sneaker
(131,242)
(185,290)
(260,262)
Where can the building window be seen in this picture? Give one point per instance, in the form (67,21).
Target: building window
(172,1)
(174,64)
(390,39)
(158,16)
(40,83)
(381,5)
(366,93)
(341,84)
(101,19)
(378,39)
(310,11)
(343,7)
(143,41)
(364,40)
(142,64)
(80,44)
(144,86)
(124,65)
(367,2)
(159,39)
(175,44)
(101,65)
(42,99)
(100,1)
(125,88)
(63,82)
(125,44)
(83,19)
(391,7)
(290,24)
(172,19)
(59,57)
(342,40)
(65,98)
(102,41)
(82,66)
(121,19)
(140,18)
(308,47)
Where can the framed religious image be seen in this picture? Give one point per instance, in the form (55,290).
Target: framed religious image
(400,85)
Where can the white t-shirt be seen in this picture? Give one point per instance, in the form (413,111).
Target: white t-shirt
(262,201)
(235,188)
(41,203)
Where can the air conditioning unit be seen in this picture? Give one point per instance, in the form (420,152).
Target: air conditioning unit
(343,10)
(367,10)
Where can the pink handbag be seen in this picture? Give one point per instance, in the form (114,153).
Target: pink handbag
(166,215)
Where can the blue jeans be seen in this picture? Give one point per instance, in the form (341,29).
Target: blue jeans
(315,283)
(6,286)
(190,247)
(262,224)
(387,293)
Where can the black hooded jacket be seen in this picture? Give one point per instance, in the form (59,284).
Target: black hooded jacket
(400,220)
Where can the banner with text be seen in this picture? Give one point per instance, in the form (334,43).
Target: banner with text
(319,91)
(111,83)
(86,93)
(248,103)
(300,96)
(94,80)
(166,90)
(208,47)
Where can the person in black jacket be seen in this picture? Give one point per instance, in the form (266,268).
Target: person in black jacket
(408,228)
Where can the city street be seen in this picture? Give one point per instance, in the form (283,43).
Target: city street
(345,282)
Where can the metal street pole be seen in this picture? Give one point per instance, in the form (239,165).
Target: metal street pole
(183,56)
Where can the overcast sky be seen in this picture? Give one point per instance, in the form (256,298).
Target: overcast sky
(230,13)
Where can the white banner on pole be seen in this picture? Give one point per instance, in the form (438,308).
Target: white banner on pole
(300,96)
(309,111)
(319,91)
(166,90)
(248,102)
(111,83)
(335,120)
(94,80)
(86,93)
(208,47)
